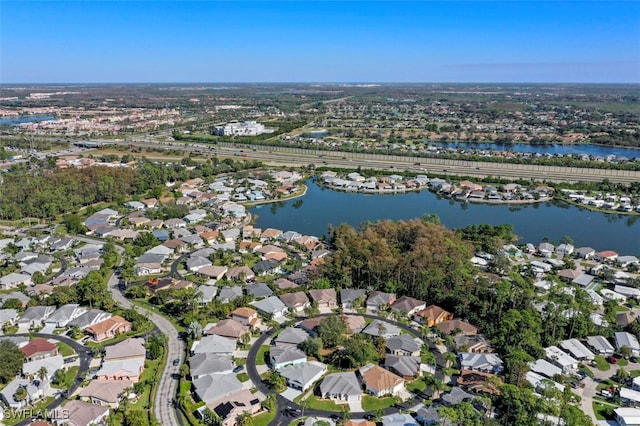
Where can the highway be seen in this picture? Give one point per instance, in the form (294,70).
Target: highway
(287,156)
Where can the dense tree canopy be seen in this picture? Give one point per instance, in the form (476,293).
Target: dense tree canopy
(11,360)
(417,258)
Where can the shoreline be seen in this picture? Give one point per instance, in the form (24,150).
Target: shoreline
(480,201)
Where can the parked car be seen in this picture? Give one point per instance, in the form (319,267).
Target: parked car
(176,361)
(612,360)
(238,369)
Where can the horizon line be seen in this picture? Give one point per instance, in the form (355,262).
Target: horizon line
(322,82)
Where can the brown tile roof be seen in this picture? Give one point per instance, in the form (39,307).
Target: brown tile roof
(244,312)
(378,378)
(448,327)
(106,325)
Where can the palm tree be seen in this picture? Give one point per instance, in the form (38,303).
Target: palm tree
(43,374)
(449,358)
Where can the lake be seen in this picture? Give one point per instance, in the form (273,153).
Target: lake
(320,207)
(12,121)
(592,150)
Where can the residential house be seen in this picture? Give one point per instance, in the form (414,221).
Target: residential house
(127,349)
(229,328)
(266,267)
(486,362)
(246,316)
(355,323)
(285,284)
(80,413)
(214,345)
(39,349)
(271,307)
(280,356)
(567,363)
(379,300)
(296,302)
(585,252)
(108,393)
(403,344)
(341,387)
(545,368)
(109,328)
(303,375)
(8,393)
(476,343)
(229,293)
(258,290)
(291,336)
(65,314)
(399,419)
(212,272)
(432,315)
(380,382)
(121,369)
(457,326)
(408,305)
(600,345)
(50,364)
(9,316)
(325,298)
(231,407)
(35,315)
(381,328)
(577,350)
(408,367)
(350,296)
(240,274)
(194,264)
(477,381)
(203,364)
(213,387)
(89,318)
(629,340)
(13,280)
(455,396)
(627,416)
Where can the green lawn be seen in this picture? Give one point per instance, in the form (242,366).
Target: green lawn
(149,374)
(243,377)
(619,308)
(263,419)
(623,362)
(603,411)
(322,404)
(261,355)
(418,385)
(601,363)
(64,349)
(69,377)
(371,403)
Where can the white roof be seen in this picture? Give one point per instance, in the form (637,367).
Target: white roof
(577,349)
(630,394)
(600,343)
(631,416)
(554,353)
(627,339)
(545,368)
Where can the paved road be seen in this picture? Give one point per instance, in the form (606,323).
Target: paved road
(288,410)
(164,409)
(85,359)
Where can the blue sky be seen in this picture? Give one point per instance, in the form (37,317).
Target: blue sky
(262,41)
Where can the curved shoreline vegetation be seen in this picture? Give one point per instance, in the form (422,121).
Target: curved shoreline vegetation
(421,258)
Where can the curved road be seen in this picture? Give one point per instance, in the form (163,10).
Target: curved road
(166,391)
(85,359)
(288,408)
